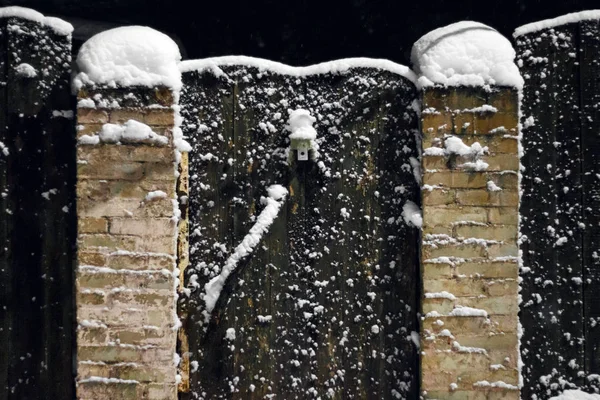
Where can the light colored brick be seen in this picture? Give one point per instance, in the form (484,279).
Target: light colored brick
(504,215)
(489,232)
(433,216)
(436,125)
(456,179)
(145,227)
(164,117)
(91,116)
(119,116)
(437,197)
(461,251)
(92,225)
(486,123)
(434,163)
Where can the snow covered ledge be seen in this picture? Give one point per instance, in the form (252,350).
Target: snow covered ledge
(470,167)
(132,171)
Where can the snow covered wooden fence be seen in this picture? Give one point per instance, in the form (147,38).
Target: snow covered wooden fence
(38,222)
(560,207)
(326,303)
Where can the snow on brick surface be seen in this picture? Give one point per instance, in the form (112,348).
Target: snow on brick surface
(337,66)
(553,22)
(465,54)
(576,395)
(59,26)
(129,56)
(130,132)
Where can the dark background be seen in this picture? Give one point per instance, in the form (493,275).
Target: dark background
(298,32)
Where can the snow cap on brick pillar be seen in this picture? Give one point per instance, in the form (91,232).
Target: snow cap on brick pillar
(131,167)
(470,196)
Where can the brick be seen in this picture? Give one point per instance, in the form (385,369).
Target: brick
(436,230)
(478,197)
(502,162)
(143,227)
(489,269)
(456,179)
(486,123)
(92,225)
(123,170)
(470,394)
(126,153)
(462,251)
(436,125)
(113,390)
(94,336)
(497,305)
(505,100)
(161,117)
(119,207)
(119,116)
(102,190)
(90,297)
(108,241)
(148,298)
(137,372)
(503,250)
(436,271)
(91,258)
(162,391)
(88,129)
(433,216)
(460,98)
(434,163)
(463,123)
(490,232)
(458,287)
(505,145)
(437,197)
(504,215)
(506,181)
(91,116)
(155,280)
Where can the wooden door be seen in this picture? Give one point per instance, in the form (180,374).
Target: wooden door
(326,304)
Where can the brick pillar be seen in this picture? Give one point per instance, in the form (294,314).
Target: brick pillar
(469,253)
(127,244)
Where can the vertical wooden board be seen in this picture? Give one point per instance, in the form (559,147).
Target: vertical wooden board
(314,286)
(40,356)
(541,340)
(5,270)
(359,174)
(568,191)
(207,110)
(589,60)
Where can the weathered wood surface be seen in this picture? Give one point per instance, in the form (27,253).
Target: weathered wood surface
(338,270)
(560,306)
(38,226)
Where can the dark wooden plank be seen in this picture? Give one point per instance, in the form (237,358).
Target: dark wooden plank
(5,270)
(325,280)
(42,225)
(551,210)
(590,124)
(207,109)
(541,339)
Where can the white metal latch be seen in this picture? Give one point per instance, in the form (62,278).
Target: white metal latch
(302,135)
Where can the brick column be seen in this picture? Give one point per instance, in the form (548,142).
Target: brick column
(127,244)
(469,253)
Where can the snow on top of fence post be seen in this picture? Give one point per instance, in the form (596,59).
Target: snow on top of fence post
(59,26)
(554,22)
(129,56)
(465,54)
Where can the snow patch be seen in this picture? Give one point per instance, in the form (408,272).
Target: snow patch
(277,194)
(331,67)
(553,22)
(25,70)
(129,56)
(59,26)
(412,214)
(465,54)
(130,132)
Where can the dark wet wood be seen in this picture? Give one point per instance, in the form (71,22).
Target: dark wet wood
(38,225)
(324,279)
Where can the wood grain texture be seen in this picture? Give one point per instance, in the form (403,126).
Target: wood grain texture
(38,225)
(340,286)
